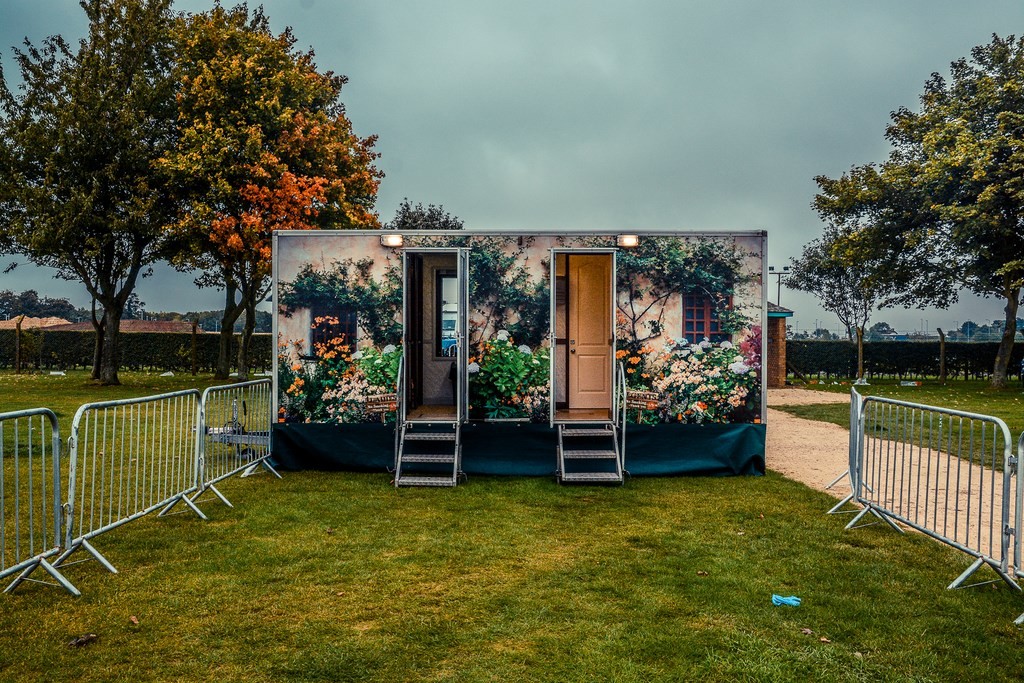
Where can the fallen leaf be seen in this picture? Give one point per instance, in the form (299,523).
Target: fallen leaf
(740,533)
(702,573)
(824,639)
(858,655)
(806,631)
(83,640)
(330,530)
(134,619)
(762,515)
(340,593)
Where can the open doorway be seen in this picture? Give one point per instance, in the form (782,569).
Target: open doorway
(584,336)
(433,336)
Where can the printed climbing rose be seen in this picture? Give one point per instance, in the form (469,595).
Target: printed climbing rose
(334,383)
(705,382)
(507,381)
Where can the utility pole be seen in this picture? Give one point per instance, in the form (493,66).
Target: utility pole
(779,274)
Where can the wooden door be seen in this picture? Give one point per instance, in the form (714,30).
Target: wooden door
(590,335)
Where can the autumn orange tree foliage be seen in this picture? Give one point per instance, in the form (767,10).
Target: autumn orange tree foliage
(264,144)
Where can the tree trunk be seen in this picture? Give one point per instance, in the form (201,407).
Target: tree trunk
(942,355)
(999,371)
(110,357)
(227,326)
(195,359)
(17,346)
(97,350)
(860,352)
(243,344)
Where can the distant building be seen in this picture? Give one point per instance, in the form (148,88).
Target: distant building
(130,326)
(775,365)
(32,323)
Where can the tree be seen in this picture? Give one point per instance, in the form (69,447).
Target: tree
(945,212)
(79,190)
(409,217)
(264,145)
(841,285)
(134,308)
(30,304)
(879,331)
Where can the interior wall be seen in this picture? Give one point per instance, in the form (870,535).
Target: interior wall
(437,387)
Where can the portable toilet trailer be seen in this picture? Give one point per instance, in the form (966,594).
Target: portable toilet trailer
(439,353)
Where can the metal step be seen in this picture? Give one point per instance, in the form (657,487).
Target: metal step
(596,477)
(589,455)
(444,458)
(430,436)
(423,480)
(588,432)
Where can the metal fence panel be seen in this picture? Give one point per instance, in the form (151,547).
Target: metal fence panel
(30,495)
(233,435)
(944,472)
(129,458)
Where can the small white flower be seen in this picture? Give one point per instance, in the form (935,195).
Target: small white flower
(357,355)
(473,368)
(726,345)
(698,349)
(705,344)
(388,349)
(502,335)
(739,368)
(536,362)
(523,348)
(378,361)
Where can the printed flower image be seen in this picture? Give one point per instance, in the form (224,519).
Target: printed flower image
(508,381)
(705,382)
(335,384)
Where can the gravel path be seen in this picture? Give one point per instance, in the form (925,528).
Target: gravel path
(809,451)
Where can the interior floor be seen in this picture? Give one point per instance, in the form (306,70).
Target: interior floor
(582,414)
(431,412)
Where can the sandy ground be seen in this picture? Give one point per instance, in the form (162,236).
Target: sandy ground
(960,505)
(809,451)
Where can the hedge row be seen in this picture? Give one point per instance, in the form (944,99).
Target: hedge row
(900,359)
(139,350)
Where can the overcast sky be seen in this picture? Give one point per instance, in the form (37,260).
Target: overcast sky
(588,115)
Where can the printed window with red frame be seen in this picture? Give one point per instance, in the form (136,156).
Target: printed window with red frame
(700,319)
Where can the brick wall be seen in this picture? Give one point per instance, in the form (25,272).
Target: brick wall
(776,365)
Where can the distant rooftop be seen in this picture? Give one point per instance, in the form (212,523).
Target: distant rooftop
(130,326)
(31,323)
(776,311)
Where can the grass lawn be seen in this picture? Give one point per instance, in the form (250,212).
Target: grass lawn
(971,396)
(339,577)
(64,394)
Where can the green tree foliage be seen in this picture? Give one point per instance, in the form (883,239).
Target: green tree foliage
(946,210)
(655,270)
(264,145)
(841,285)
(29,303)
(79,190)
(409,217)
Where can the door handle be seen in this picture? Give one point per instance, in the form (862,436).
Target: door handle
(572,350)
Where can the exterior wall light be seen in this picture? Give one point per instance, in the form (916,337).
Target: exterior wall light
(627,241)
(393,240)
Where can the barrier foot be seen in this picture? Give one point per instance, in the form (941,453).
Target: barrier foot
(860,515)
(835,509)
(220,495)
(49,569)
(251,469)
(1019,620)
(59,578)
(975,566)
(836,480)
(182,499)
(99,557)
(885,518)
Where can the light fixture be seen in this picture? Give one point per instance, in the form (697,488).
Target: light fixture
(627,241)
(393,240)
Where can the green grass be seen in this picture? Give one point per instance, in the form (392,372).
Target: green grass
(338,577)
(64,394)
(969,396)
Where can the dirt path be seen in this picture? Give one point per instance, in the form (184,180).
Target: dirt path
(949,495)
(809,451)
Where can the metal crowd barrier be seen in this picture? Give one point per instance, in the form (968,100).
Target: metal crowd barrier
(30,496)
(946,473)
(233,434)
(128,458)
